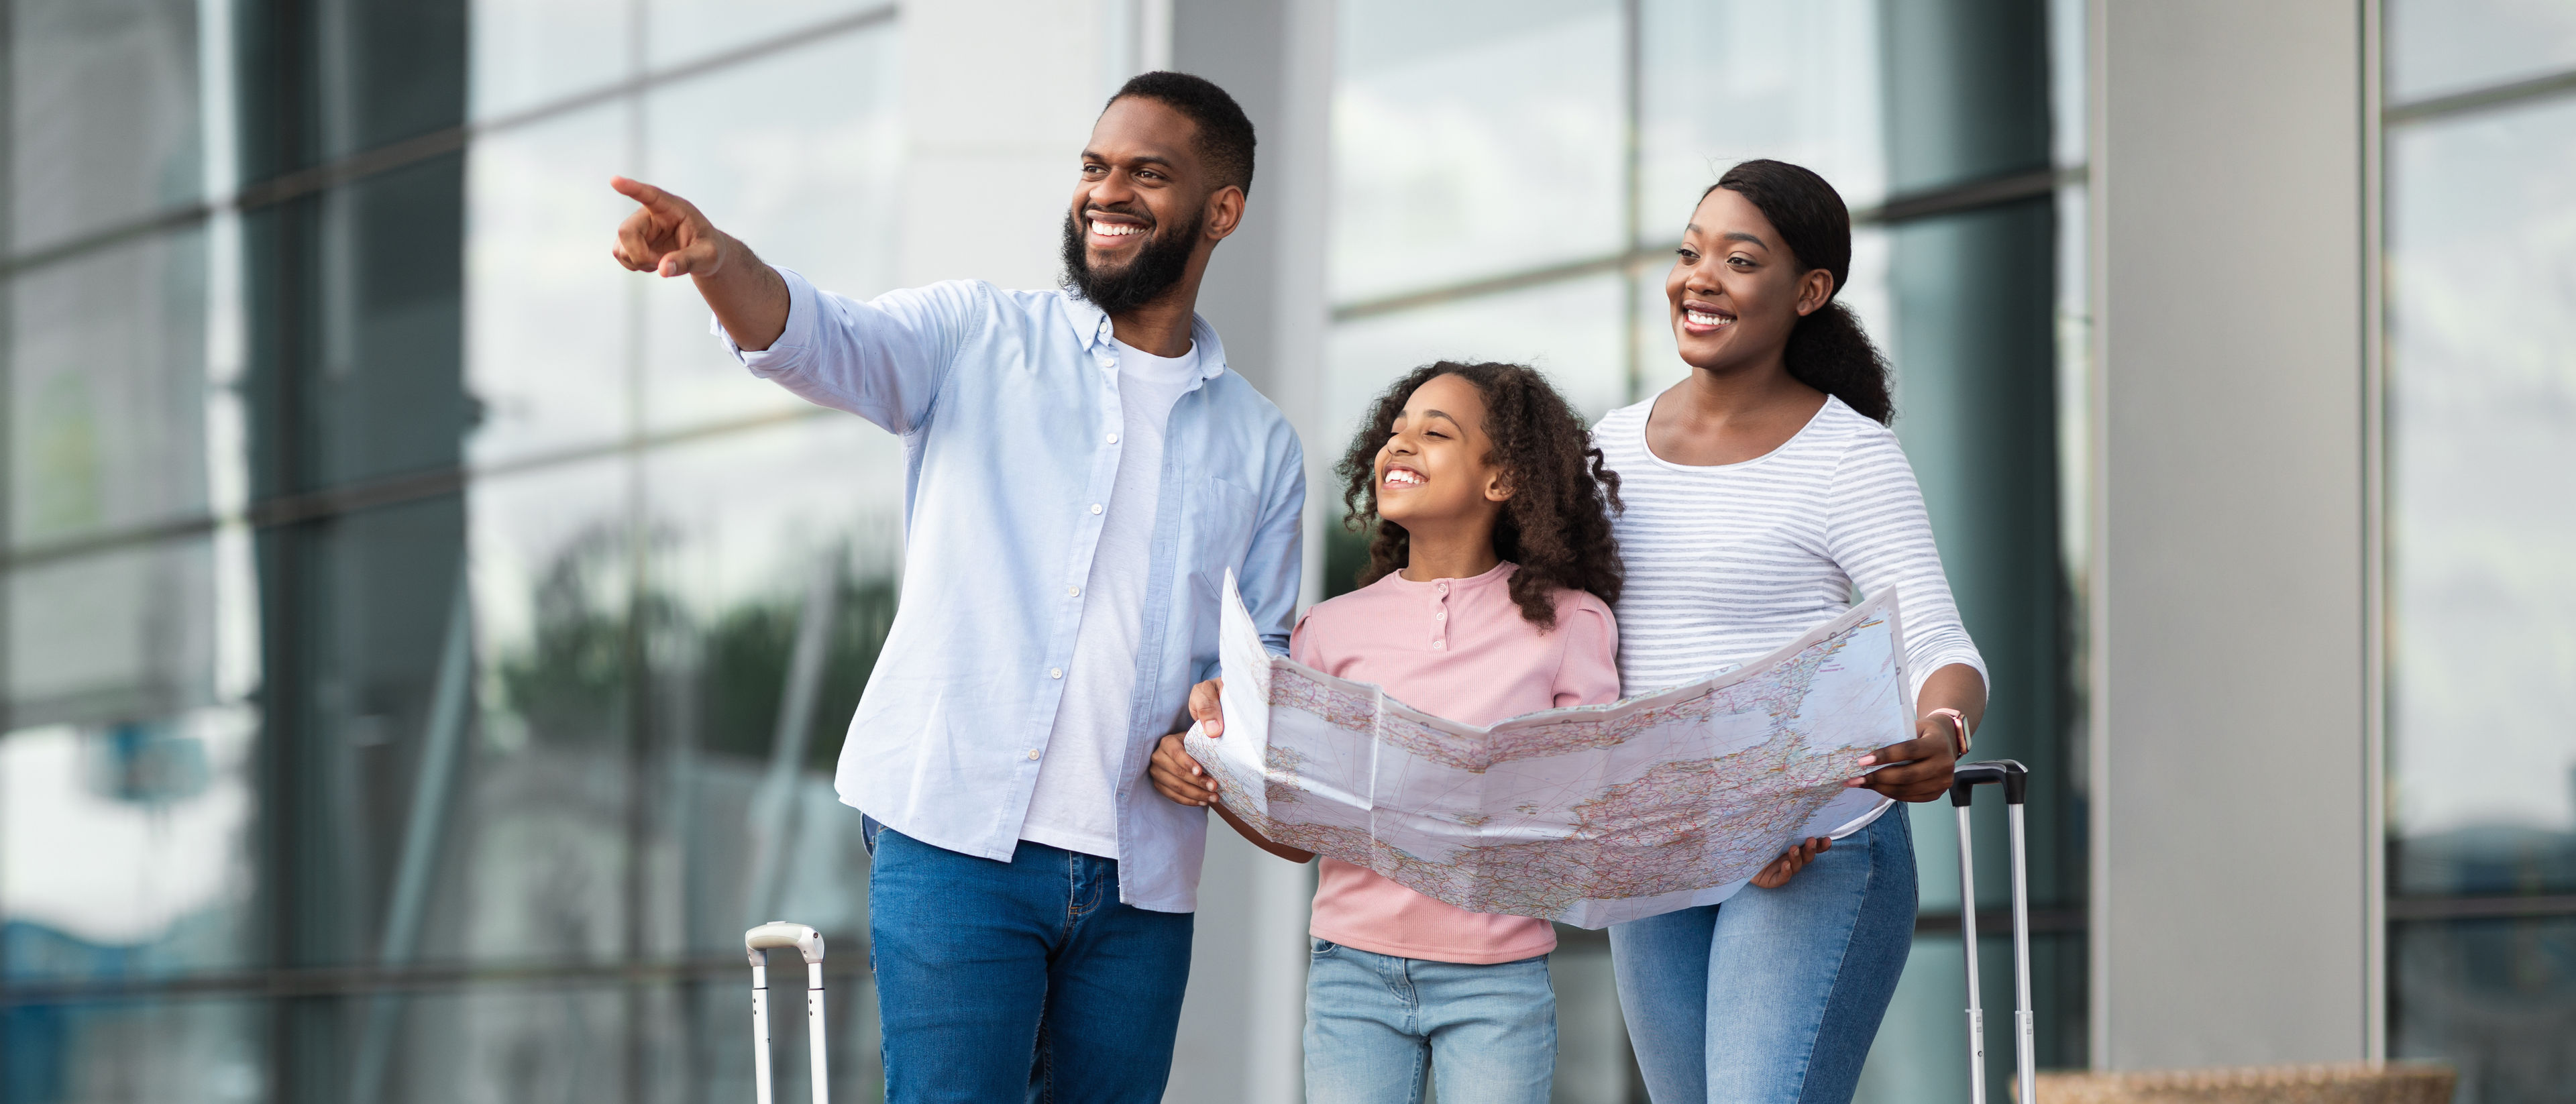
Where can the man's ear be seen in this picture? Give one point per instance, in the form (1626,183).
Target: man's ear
(1224,212)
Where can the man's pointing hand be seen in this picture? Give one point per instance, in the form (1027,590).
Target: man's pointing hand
(668,236)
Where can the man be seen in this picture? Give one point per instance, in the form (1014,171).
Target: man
(1082,472)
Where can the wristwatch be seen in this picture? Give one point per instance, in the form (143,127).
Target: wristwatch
(1960,721)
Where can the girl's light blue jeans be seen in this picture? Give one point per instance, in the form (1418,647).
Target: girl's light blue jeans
(1373,1021)
(1775,995)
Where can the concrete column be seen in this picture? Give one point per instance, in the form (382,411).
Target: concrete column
(1241,1024)
(2235,902)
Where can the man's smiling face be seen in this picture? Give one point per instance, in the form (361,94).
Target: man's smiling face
(1139,208)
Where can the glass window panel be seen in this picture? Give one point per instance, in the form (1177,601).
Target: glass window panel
(202,1051)
(1920,1055)
(103,115)
(107,374)
(381,390)
(2482,431)
(2438,47)
(755,536)
(686,30)
(530,52)
(567,1043)
(796,154)
(1470,147)
(115,635)
(543,825)
(1724,82)
(126,848)
(1568,330)
(2494,998)
(547,329)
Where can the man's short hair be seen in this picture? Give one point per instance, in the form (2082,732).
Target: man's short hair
(1224,141)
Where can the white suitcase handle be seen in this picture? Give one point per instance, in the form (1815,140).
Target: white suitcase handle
(2015,779)
(778,935)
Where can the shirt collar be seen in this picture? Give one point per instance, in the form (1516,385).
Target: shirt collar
(1091,327)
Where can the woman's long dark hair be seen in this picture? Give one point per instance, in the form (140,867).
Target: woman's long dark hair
(1556,525)
(1827,351)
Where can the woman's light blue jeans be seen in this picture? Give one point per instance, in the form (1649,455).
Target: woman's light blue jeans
(1373,1021)
(1775,995)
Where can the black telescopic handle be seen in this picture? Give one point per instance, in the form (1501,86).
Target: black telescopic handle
(2014,777)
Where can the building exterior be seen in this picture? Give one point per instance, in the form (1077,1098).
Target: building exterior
(425,650)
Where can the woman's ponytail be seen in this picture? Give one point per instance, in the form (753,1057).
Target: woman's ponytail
(1828,350)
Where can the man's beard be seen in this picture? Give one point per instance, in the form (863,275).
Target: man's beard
(1159,264)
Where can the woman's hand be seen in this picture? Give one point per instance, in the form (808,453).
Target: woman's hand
(1204,708)
(1791,862)
(1178,777)
(1923,764)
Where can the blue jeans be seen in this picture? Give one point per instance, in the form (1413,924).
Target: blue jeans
(1775,995)
(1019,981)
(1373,1021)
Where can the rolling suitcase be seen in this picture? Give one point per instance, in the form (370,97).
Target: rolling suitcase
(757,942)
(2015,780)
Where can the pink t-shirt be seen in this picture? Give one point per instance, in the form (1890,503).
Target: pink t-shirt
(1456,648)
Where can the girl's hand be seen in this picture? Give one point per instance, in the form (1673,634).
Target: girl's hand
(1923,764)
(1204,709)
(1791,862)
(1178,777)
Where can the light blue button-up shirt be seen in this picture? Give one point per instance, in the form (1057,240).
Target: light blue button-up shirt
(1008,405)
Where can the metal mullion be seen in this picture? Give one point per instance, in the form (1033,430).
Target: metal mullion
(2480,99)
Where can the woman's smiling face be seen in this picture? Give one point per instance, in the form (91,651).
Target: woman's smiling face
(1438,465)
(1735,290)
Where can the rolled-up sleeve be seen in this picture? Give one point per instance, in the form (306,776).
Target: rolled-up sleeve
(1274,569)
(1880,534)
(884,360)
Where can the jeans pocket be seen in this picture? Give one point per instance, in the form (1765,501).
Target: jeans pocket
(1323,948)
(868,828)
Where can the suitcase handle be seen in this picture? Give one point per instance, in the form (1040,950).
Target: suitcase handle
(779,935)
(2014,777)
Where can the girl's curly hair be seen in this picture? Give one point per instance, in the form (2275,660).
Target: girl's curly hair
(1556,525)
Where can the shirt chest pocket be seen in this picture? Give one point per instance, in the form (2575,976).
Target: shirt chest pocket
(1216,533)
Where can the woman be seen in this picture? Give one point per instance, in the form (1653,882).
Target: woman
(1762,492)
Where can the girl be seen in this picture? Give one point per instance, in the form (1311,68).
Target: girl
(1765,490)
(1486,597)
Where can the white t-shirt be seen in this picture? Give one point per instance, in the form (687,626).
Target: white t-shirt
(1075,805)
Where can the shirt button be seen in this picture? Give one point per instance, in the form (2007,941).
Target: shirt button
(1095,507)
(1440,645)
(1443,615)
(1073,591)
(1444,588)
(1033,755)
(1055,672)
(1113,438)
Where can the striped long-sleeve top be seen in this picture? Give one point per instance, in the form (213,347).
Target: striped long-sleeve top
(1726,563)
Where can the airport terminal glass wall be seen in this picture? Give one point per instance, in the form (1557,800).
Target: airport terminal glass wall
(2480,394)
(425,648)
(1511,187)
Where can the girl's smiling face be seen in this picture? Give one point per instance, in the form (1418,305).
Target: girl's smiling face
(1438,465)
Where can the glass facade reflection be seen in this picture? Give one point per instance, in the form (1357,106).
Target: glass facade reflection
(425,656)
(2481,429)
(1470,223)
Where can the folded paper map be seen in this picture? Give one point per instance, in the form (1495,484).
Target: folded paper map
(1592,815)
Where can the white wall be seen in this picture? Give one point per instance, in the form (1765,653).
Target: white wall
(2234,899)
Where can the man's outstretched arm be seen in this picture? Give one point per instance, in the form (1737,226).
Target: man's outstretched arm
(668,236)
